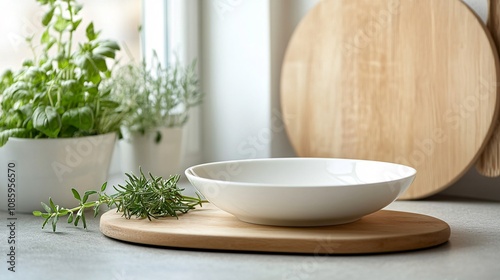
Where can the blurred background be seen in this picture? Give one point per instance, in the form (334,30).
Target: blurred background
(118,19)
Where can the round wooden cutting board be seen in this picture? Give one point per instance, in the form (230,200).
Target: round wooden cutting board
(213,229)
(410,82)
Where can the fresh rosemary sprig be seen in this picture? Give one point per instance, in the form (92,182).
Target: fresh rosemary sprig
(142,197)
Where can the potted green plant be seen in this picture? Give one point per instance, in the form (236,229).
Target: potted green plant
(58,122)
(159,100)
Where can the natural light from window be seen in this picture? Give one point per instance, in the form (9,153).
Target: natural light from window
(118,20)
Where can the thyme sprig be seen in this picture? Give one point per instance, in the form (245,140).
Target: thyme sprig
(142,197)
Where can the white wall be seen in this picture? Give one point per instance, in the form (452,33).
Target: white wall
(235,73)
(242,47)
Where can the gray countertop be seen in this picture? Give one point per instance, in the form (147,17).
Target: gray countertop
(473,252)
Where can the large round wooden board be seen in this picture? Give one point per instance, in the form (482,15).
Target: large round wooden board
(411,82)
(211,228)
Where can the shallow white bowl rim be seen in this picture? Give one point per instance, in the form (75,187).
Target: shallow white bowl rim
(189,172)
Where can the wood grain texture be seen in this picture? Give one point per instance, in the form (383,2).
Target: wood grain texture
(392,81)
(489,161)
(211,228)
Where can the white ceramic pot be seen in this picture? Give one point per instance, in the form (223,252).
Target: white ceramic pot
(158,151)
(36,169)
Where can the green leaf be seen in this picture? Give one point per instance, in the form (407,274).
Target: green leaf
(62,62)
(54,223)
(84,221)
(76,195)
(28,63)
(80,215)
(11,94)
(48,17)
(91,35)
(99,62)
(50,44)
(75,25)
(103,187)
(24,95)
(108,74)
(7,77)
(94,77)
(27,109)
(81,117)
(71,86)
(52,205)
(104,51)
(39,96)
(92,90)
(86,197)
(35,75)
(47,120)
(45,37)
(77,8)
(46,207)
(14,132)
(15,118)
(110,44)
(93,64)
(77,219)
(91,70)
(46,221)
(47,66)
(61,24)
(81,61)
(96,210)
(70,218)
(37,213)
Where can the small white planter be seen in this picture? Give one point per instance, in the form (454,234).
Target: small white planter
(160,158)
(46,168)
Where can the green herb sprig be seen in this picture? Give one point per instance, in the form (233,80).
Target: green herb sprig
(142,197)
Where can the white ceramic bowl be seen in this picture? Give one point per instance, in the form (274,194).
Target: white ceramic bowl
(300,191)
